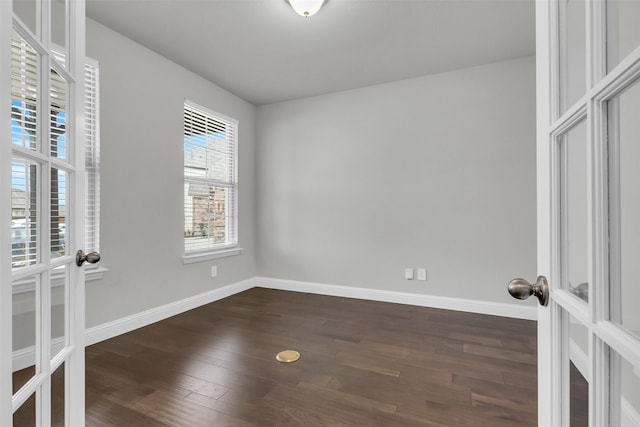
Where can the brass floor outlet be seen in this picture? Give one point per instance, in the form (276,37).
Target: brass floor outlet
(287,356)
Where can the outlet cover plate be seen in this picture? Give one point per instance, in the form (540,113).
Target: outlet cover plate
(408,273)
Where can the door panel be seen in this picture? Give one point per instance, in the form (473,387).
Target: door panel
(42,145)
(588,66)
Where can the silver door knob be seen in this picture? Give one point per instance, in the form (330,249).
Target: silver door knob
(91,257)
(521,289)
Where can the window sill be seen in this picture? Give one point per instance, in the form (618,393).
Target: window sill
(57,279)
(205,256)
(96,273)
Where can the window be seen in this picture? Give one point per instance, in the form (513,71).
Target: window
(210,182)
(24,107)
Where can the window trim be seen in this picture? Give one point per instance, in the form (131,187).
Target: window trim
(220,250)
(193,257)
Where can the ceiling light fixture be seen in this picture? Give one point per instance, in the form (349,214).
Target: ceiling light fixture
(306,8)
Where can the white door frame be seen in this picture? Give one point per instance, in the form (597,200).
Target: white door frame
(6,294)
(72,354)
(76,43)
(547,341)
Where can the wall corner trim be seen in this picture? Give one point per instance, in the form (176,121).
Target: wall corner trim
(515,311)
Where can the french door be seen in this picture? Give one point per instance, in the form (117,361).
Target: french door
(588,165)
(42,211)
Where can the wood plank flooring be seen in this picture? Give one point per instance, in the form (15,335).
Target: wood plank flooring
(363,363)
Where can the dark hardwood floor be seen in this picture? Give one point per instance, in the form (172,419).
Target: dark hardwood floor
(363,363)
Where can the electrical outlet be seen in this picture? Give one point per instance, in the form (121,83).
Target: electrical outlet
(408,273)
(422,274)
(214,270)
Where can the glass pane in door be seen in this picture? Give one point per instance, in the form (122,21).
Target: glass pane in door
(623,31)
(578,342)
(24,201)
(624,396)
(57,397)
(573,211)
(59,24)
(25,416)
(24,94)
(26,11)
(573,49)
(59,184)
(58,116)
(24,329)
(579,398)
(59,285)
(624,136)
(578,372)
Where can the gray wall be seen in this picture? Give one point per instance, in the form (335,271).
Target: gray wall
(352,187)
(141,104)
(435,172)
(347,188)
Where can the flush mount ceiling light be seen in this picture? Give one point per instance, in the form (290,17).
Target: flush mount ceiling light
(306,8)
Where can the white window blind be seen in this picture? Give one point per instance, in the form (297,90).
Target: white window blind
(92,158)
(24,114)
(210,180)
(92,154)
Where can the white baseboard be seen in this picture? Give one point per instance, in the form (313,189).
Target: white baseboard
(123,325)
(459,304)
(26,357)
(23,358)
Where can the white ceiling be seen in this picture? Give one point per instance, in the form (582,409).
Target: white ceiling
(262,51)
